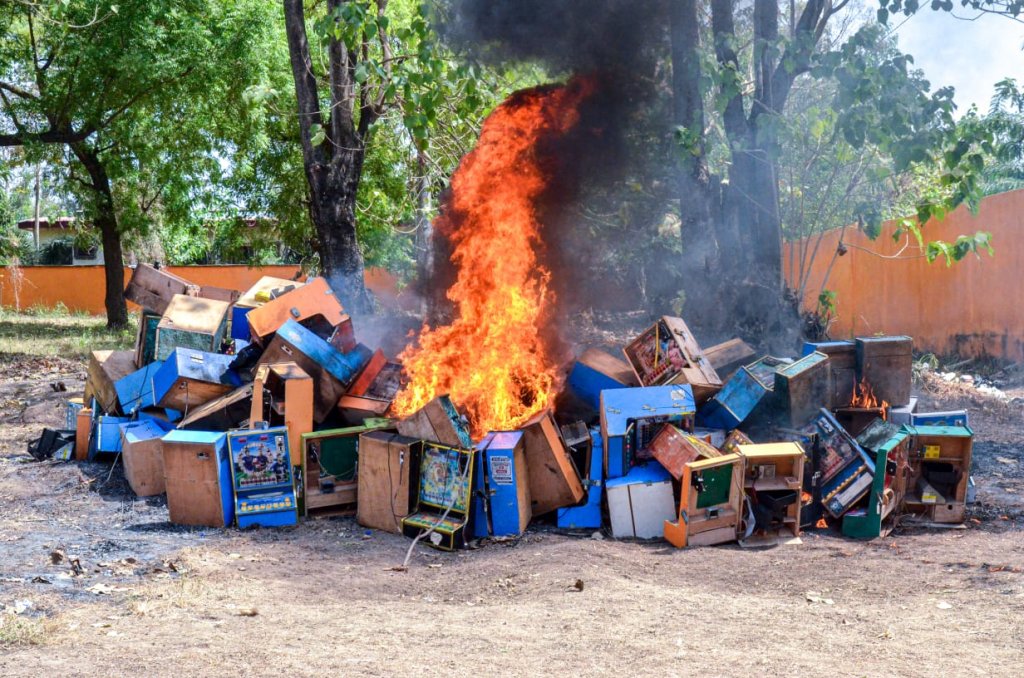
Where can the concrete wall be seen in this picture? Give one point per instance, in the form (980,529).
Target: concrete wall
(972,308)
(81,288)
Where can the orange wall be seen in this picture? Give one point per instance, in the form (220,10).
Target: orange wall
(81,288)
(972,308)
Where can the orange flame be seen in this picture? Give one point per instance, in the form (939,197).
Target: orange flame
(492,359)
(864,396)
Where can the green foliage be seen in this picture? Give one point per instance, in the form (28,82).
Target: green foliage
(151,88)
(964,245)
(225,241)
(57,252)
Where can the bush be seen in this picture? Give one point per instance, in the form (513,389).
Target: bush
(58,252)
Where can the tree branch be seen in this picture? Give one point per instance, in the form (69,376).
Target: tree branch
(724,30)
(47,137)
(18,91)
(341,63)
(305,81)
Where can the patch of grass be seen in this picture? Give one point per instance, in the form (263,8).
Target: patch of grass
(19,631)
(49,332)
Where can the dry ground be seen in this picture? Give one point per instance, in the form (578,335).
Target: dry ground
(154,599)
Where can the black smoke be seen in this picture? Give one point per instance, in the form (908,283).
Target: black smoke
(576,36)
(622,45)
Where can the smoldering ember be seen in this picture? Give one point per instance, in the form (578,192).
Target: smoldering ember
(410,337)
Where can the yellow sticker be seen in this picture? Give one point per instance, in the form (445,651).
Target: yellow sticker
(932,451)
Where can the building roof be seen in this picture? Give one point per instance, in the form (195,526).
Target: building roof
(59,222)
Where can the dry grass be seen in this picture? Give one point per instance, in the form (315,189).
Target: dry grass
(18,631)
(59,333)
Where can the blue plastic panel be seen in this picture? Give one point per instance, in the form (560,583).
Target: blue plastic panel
(588,516)
(342,366)
(623,412)
(951,418)
(135,391)
(737,400)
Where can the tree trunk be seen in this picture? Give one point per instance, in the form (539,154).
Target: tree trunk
(334,165)
(106,220)
(332,208)
(688,116)
(424,228)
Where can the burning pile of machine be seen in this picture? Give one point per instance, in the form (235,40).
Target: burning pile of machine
(256,408)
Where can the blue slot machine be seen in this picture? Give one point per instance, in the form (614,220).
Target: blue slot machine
(261,475)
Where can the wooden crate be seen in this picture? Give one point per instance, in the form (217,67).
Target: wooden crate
(231,410)
(735,403)
(674,449)
(197,476)
(253,297)
(191,322)
(554,480)
(388,472)
(595,371)
(801,388)
(312,300)
(83,431)
(190,378)
(668,353)
(842,363)
(153,289)
(135,390)
(886,363)
(329,461)
(106,368)
(142,454)
(373,391)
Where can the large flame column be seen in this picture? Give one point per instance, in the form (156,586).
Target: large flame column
(492,359)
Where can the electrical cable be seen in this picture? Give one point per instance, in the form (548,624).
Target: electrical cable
(424,533)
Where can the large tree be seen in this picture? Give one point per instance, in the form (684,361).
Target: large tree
(129,99)
(737,75)
(361,70)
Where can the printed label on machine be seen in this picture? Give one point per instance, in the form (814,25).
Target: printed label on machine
(501,470)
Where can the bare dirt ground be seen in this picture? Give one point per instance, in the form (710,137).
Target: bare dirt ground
(115,589)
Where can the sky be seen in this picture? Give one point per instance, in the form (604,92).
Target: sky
(969,55)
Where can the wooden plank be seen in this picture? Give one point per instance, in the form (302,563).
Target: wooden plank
(719,535)
(674,449)
(153,289)
(434,423)
(607,364)
(228,411)
(387,479)
(105,368)
(554,481)
(886,363)
(192,483)
(144,466)
(83,428)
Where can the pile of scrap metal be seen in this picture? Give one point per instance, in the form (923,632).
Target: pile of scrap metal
(261,407)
